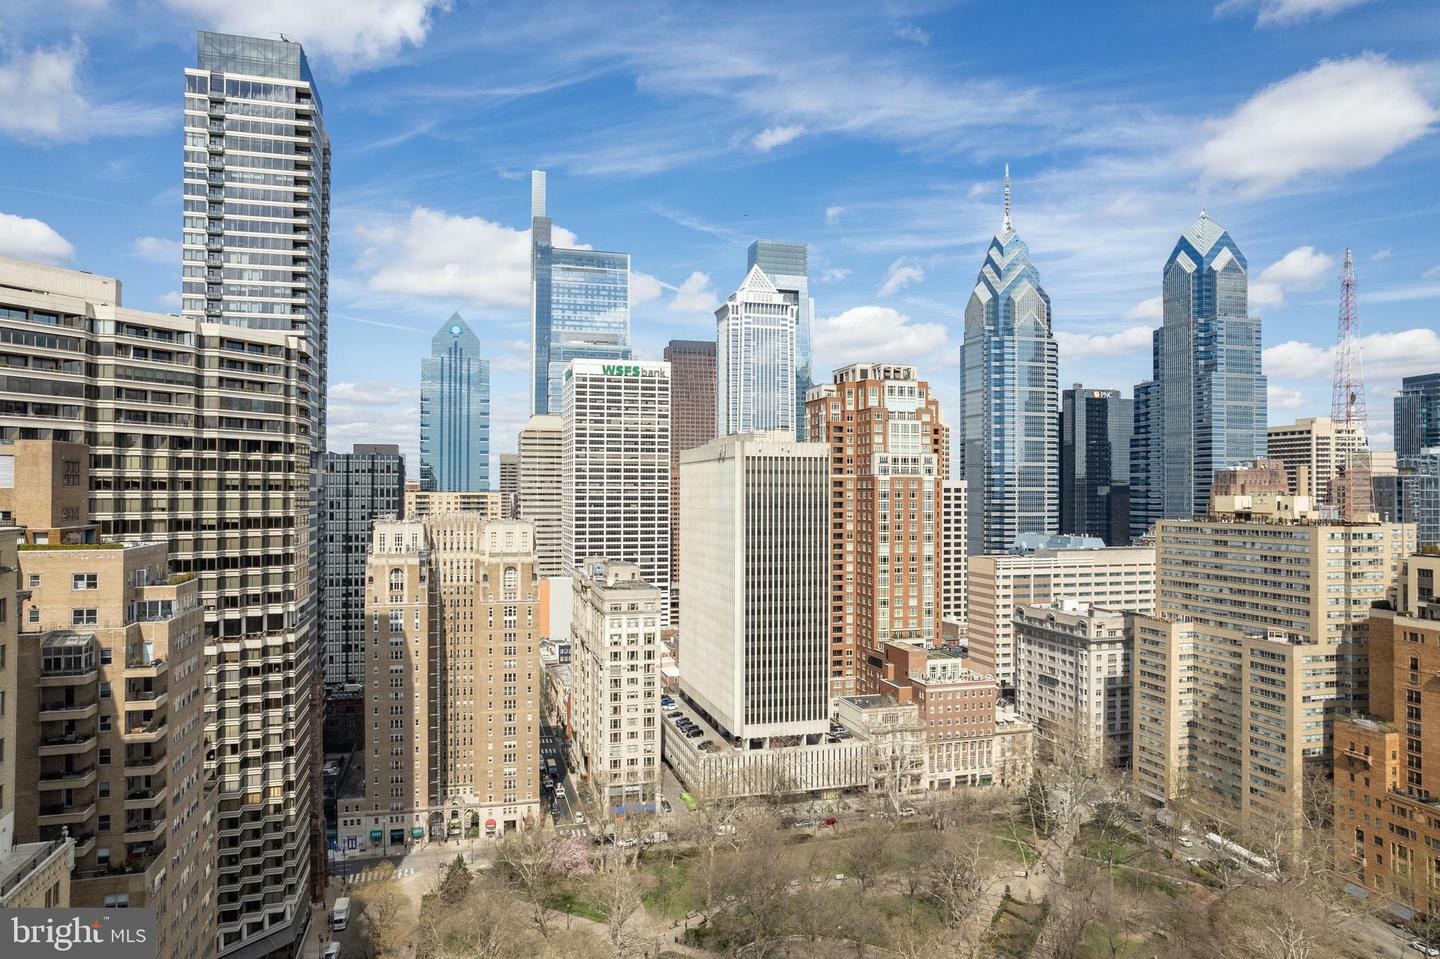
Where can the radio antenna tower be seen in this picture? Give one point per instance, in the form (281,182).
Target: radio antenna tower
(1350,492)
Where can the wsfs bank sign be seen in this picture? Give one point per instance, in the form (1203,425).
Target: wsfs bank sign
(77,933)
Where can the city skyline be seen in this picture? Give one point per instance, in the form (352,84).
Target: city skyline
(909,235)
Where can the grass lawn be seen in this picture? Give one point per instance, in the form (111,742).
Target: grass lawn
(1095,943)
(1015,927)
(669,895)
(1016,844)
(576,905)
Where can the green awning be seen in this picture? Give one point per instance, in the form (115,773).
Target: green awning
(376,835)
(417,832)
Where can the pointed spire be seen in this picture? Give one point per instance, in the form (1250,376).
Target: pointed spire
(1007,196)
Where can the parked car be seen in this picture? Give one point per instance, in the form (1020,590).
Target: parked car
(560,791)
(1186,841)
(694,731)
(804,824)
(1424,948)
(665,805)
(332,951)
(579,818)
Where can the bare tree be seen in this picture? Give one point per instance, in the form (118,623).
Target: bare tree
(385,915)
(537,865)
(753,887)
(869,853)
(955,876)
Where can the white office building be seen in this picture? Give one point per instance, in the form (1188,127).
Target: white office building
(614,662)
(615,466)
(755,359)
(754,525)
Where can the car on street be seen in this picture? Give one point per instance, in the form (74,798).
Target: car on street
(907,811)
(1186,841)
(804,824)
(665,805)
(332,951)
(560,791)
(579,818)
(1424,948)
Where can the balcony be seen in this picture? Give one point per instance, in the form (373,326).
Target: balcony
(144,765)
(147,798)
(78,678)
(144,830)
(137,669)
(69,744)
(64,814)
(147,733)
(146,698)
(1356,754)
(52,712)
(66,779)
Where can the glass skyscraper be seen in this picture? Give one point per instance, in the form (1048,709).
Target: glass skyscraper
(455,412)
(579,306)
(1210,393)
(755,359)
(1417,414)
(1009,399)
(787,266)
(1095,430)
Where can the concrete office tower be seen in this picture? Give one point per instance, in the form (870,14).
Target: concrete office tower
(1120,578)
(110,661)
(615,468)
(787,265)
(1009,398)
(756,623)
(510,484)
(579,305)
(1211,392)
(358,488)
(1417,414)
(33,875)
(953,560)
(422,503)
(455,599)
(1095,432)
(1311,449)
(1145,460)
(615,662)
(755,359)
(1072,669)
(454,411)
(1386,828)
(541,461)
(1266,636)
(885,583)
(692,424)
(236,498)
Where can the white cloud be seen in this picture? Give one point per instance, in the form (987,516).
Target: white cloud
(644,288)
(437,254)
(866,333)
(899,276)
(772,137)
(1303,268)
(374,412)
(834,274)
(1385,356)
(1133,339)
(1151,309)
(157,250)
(41,91)
(1280,398)
(694,295)
(1433,271)
(351,34)
(1283,13)
(1340,115)
(832,213)
(908,31)
(26,239)
(1380,255)
(514,356)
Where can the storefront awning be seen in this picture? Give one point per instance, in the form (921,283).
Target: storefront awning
(417,832)
(376,835)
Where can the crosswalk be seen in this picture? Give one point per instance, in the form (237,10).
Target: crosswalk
(372,874)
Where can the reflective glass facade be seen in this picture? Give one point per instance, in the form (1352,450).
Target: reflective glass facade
(1009,401)
(755,359)
(1095,430)
(787,266)
(455,412)
(1417,414)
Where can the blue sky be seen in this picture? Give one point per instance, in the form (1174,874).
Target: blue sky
(679,132)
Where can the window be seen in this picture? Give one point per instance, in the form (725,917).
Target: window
(34,580)
(102,858)
(104,758)
(85,581)
(32,615)
(102,789)
(83,617)
(104,722)
(104,824)
(117,900)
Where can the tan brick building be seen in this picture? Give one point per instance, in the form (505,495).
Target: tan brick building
(422,503)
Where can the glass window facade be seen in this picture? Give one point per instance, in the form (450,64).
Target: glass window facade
(455,412)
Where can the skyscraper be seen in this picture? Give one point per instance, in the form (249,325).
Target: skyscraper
(510,484)
(615,468)
(692,424)
(885,519)
(1009,398)
(579,305)
(1211,392)
(755,359)
(1095,432)
(1417,414)
(1312,449)
(787,265)
(358,488)
(541,456)
(454,411)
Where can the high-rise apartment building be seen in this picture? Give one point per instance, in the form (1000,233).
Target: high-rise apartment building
(453,669)
(358,488)
(510,484)
(1009,398)
(615,467)
(1095,431)
(1387,825)
(954,563)
(615,662)
(787,266)
(1121,578)
(1312,449)
(1417,414)
(454,411)
(1072,679)
(110,751)
(1145,459)
(542,458)
(755,359)
(888,457)
(754,514)
(1210,390)
(418,503)
(218,465)
(579,305)
(692,424)
(1257,645)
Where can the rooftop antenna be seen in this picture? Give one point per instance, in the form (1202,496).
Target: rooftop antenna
(1007,196)
(1350,493)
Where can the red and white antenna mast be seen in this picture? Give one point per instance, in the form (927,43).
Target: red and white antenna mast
(1350,491)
